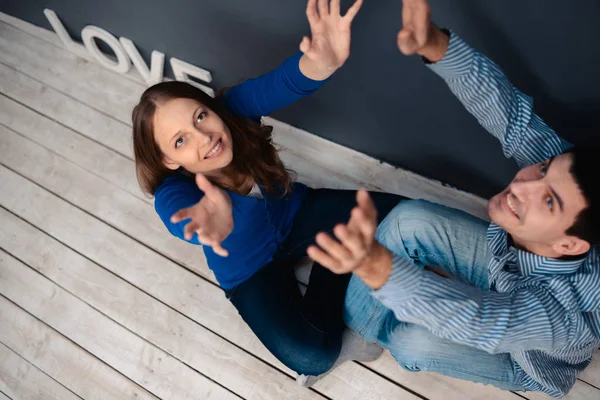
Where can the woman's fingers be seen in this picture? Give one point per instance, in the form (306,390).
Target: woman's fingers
(190,229)
(213,241)
(352,11)
(311,12)
(305,45)
(217,248)
(334,7)
(323,8)
(181,215)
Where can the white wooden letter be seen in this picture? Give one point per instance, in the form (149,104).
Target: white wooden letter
(183,71)
(122,63)
(62,33)
(151,75)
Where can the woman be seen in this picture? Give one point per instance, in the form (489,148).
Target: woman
(243,199)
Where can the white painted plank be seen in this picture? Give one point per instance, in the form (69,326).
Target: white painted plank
(111,133)
(370,172)
(152,320)
(72,75)
(436,386)
(170,283)
(50,37)
(21,380)
(581,391)
(61,359)
(591,374)
(89,155)
(147,365)
(4,397)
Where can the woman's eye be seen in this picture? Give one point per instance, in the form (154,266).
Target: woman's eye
(201,116)
(178,142)
(550,202)
(543,169)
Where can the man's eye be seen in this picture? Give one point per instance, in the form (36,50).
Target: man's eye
(544,169)
(550,202)
(179,142)
(201,116)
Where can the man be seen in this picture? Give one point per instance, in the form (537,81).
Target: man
(522,309)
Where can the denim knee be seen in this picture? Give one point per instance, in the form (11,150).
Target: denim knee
(411,226)
(309,358)
(363,313)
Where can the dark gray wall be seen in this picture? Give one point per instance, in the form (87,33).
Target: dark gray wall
(381,103)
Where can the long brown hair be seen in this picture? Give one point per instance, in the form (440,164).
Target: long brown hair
(254,154)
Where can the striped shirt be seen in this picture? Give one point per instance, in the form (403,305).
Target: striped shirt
(544,312)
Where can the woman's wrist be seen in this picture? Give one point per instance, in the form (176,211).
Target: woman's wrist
(311,70)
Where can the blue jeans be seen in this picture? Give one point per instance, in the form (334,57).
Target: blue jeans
(303,332)
(431,235)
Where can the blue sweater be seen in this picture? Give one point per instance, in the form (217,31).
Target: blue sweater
(259,225)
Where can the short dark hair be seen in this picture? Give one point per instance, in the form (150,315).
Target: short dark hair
(585,169)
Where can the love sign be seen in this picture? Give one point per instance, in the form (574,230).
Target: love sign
(127,54)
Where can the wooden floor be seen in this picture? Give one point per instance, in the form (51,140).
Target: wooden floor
(98,301)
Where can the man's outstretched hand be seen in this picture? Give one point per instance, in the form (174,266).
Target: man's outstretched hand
(356,249)
(418,35)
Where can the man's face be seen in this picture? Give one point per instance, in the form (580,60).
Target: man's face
(540,204)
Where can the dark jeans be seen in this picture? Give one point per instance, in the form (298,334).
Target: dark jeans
(304,333)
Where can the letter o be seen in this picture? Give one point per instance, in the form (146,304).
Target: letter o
(121,65)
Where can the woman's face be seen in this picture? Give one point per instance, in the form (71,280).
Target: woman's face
(192,136)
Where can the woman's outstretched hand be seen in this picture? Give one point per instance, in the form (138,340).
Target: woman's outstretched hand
(329,45)
(211,218)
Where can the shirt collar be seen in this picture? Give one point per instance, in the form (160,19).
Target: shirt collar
(529,263)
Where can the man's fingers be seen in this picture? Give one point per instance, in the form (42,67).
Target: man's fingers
(352,11)
(333,248)
(407,42)
(324,259)
(422,21)
(366,204)
(352,240)
(367,226)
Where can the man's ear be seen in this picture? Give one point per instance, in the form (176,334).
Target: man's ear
(172,165)
(572,246)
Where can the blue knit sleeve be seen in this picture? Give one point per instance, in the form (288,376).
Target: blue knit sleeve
(261,96)
(176,193)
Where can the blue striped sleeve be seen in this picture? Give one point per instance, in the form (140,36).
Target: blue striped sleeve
(500,108)
(527,319)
